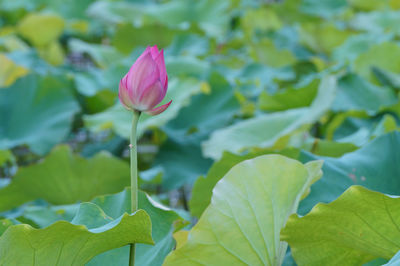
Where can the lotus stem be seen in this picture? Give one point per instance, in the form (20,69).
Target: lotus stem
(134,177)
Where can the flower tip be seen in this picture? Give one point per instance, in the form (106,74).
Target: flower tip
(160,109)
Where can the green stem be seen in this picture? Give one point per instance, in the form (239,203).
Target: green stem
(134,183)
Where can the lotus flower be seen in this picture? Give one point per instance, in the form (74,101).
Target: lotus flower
(146,83)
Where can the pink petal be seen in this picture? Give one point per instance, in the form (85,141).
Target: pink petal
(154,51)
(151,96)
(134,65)
(159,109)
(163,71)
(143,75)
(123,96)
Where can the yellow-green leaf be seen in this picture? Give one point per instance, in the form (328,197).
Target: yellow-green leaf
(249,206)
(41,29)
(361,225)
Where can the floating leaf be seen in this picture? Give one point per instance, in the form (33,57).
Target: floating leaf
(221,104)
(325,9)
(265,130)
(359,226)
(368,5)
(356,45)
(386,125)
(267,53)
(387,78)
(292,97)
(262,19)
(377,22)
(52,53)
(381,56)
(44,215)
(368,166)
(125,38)
(9,71)
(212,17)
(323,37)
(249,207)
(170,158)
(36,111)
(355,93)
(50,25)
(64,178)
(323,147)
(103,55)
(189,128)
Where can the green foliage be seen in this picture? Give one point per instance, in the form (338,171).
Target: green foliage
(250,205)
(51,27)
(36,111)
(163,223)
(202,189)
(267,129)
(64,178)
(394,261)
(359,226)
(64,243)
(306,79)
(367,166)
(355,93)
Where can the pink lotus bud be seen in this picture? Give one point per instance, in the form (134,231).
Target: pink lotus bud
(146,83)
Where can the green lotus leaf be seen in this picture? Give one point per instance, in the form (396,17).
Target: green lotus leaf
(64,178)
(394,261)
(64,243)
(37,111)
(250,205)
(368,166)
(265,130)
(381,56)
(203,187)
(361,225)
(51,26)
(163,222)
(355,93)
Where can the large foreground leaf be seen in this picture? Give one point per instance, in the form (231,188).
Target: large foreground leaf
(36,111)
(266,129)
(4,224)
(359,226)
(162,220)
(249,207)
(64,178)
(203,188)
(65,243)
